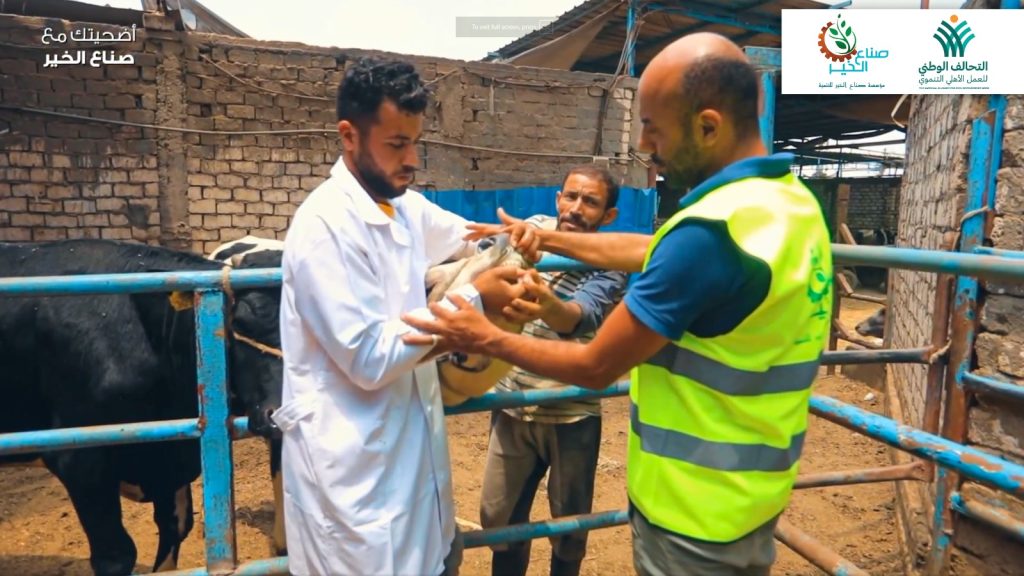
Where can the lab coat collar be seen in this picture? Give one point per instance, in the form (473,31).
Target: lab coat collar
(364,204)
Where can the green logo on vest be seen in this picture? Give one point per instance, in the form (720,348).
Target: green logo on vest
(817,293)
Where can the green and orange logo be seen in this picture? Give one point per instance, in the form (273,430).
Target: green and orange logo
(837,41)
(953,37)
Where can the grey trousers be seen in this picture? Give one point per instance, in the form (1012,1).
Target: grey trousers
(658,552)
(519,454)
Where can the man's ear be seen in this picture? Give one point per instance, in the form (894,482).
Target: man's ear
(707,127)
(349,135)
(609,216)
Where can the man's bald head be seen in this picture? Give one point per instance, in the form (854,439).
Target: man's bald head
(706,71)
(698,107)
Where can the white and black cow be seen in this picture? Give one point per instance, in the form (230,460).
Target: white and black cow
(873,276)
(255,252)
(86,360)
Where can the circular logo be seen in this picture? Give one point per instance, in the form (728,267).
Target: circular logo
(837,41)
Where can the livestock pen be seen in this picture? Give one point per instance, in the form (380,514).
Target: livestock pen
(938,450)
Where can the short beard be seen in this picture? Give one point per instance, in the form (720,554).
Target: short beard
(374,178)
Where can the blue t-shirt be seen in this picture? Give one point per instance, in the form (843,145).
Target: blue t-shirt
(698,280)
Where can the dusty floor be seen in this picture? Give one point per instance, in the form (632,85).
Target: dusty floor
(41,535)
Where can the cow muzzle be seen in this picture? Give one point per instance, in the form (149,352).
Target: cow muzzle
(261,422)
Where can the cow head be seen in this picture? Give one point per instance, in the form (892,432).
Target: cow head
(463,376)
(256,368)
(874,325)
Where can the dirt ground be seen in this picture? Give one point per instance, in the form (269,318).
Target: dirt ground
(41,534)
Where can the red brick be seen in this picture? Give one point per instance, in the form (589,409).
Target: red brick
(29,190)
(25,159)
(79,206)
(110,204)
(58,221)
(245,221)
(10,234)
(246,195)
(128,190)
(48,234)
(97,190)
(217,193)
(95,220)
(43,206)
(13,204)
(274,222)
(259,208)
(26,219)
(116,233)
(230,208)
(144,175)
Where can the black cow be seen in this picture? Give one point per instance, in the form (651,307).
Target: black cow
(103,359)
(874,325)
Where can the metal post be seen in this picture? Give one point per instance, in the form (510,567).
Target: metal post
(936,370)
(214,415)
(630,40)
(985,149)
(767,119)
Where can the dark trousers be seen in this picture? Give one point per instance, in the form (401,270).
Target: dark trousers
(519,454)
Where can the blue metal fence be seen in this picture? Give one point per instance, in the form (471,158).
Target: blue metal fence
(215,428)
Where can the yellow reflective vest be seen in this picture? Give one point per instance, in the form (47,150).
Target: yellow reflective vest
(718,424)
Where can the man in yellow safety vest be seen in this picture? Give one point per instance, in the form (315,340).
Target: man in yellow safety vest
(722,331)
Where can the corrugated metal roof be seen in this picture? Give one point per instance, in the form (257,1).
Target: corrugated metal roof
(746,22)
(205,19)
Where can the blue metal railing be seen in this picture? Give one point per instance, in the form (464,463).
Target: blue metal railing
(215,428)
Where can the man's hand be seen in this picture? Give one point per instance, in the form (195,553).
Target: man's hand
(465,329)
(523,237)
(499,286)
(537,302)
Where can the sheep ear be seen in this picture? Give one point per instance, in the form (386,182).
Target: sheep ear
(439,278)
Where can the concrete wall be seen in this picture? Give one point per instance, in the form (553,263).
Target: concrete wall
(931,205)
(64,178)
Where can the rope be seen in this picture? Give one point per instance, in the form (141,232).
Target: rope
(257,345)
(229,292)
(257,86)
(939,353)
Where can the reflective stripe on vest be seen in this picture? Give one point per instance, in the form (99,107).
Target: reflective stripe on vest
(711,454)
(734,381)
(717,424)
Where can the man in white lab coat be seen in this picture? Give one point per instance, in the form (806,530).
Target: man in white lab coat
(367,476)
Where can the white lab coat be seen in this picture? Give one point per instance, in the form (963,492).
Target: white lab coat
(366,470)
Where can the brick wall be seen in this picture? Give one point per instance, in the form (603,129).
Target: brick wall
(874,202)
(66,179)
(931,205)
(200,189)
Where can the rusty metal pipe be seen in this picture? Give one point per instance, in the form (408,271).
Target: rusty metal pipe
(936,371)
(988,515)
(867,298)
(913,471)
(815,552)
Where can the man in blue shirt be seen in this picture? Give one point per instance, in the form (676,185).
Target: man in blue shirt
(561,439)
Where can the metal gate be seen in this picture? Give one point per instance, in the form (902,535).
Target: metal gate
(215,429)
